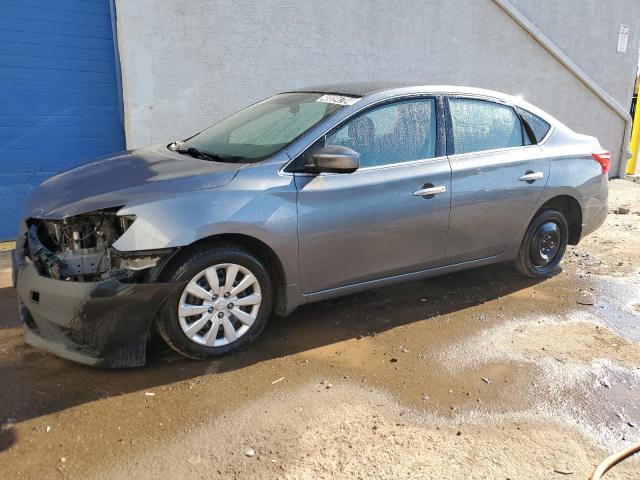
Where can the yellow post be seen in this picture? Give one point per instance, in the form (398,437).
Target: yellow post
(635,141)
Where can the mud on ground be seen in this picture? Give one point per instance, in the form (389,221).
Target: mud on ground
(480,374)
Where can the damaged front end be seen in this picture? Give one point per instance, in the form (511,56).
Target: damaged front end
(82,299)
(80,248)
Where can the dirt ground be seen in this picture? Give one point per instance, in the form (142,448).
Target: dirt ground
(479,374)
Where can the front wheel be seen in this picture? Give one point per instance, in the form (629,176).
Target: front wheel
(224,305)
(543,244)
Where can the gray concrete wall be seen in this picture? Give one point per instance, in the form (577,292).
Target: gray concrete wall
(188,63)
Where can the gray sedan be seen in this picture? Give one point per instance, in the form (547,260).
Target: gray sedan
(304,196)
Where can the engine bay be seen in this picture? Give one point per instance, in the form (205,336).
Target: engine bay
(80,248)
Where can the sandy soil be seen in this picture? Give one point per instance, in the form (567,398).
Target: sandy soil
(541,379)
(590,343)
(353,432)
(612,249)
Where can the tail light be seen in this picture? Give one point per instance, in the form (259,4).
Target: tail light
(603,157)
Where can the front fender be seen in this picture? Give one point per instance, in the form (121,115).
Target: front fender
(266,214)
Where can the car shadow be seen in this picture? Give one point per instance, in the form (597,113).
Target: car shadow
(34,383)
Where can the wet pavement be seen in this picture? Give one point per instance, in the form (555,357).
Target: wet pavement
(546,373)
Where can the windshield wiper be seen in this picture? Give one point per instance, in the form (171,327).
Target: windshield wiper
(194,152)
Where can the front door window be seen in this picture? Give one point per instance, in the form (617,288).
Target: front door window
(403,131)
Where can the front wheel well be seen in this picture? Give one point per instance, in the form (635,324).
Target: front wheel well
(571,210)
(255,246)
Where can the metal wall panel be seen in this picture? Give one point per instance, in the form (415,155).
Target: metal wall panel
(59,103)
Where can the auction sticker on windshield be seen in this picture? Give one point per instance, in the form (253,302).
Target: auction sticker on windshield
(338,99)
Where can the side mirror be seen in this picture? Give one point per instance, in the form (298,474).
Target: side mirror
(336,159)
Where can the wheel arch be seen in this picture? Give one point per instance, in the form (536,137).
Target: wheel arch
(263,251)
(572,211)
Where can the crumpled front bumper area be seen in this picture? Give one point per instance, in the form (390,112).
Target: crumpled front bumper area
(104,323)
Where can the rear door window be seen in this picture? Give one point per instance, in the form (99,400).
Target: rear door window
(480,125)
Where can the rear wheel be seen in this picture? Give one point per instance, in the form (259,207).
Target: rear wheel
(224,305)
(543,244)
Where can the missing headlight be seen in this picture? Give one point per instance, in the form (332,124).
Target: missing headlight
(80,247)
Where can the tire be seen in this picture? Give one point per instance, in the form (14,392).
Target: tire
(543,245)
(193,335)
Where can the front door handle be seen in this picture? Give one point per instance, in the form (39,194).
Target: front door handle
(429,191)
(531,176)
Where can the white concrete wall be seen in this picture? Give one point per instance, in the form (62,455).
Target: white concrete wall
(188,63)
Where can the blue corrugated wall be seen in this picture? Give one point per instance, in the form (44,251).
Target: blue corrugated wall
(59,103)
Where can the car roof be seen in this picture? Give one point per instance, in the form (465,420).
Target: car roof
(363,89)
(358,89)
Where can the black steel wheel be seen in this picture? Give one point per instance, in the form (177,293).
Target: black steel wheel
(543,245)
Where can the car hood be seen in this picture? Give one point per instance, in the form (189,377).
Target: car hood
(129,177)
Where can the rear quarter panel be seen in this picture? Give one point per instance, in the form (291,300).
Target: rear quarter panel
(573,169)
(575,173)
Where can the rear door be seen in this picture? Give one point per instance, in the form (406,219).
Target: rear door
(497,179)
(378,221)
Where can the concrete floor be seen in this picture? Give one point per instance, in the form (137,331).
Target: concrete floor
(480,374)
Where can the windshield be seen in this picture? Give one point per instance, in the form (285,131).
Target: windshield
(260,130)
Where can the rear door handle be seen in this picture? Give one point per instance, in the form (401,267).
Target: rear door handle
(531,176)
(429,191)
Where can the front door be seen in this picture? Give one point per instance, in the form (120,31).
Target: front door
(390,216)
(496,182)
